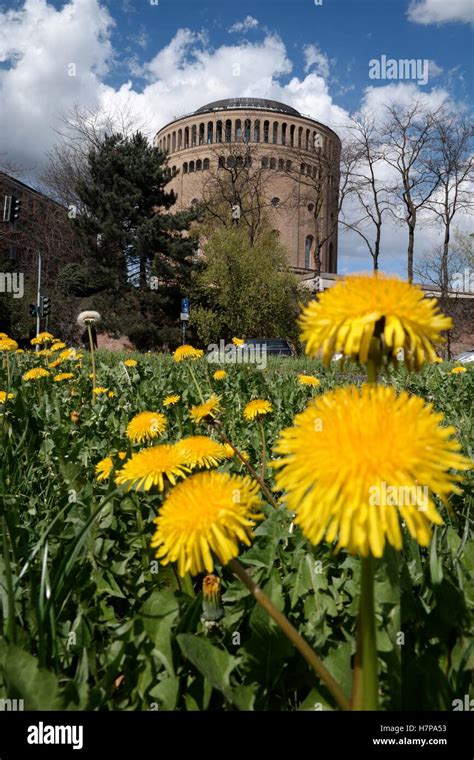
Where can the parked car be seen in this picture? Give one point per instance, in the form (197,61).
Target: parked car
(466,357)
(273,347)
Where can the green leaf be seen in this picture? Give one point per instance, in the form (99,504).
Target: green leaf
(26,680)
(214,664)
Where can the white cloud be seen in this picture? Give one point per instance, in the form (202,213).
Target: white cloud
(248,23)
(315,58)
(441,11)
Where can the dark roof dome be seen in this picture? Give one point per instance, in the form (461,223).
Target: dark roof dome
(250,103)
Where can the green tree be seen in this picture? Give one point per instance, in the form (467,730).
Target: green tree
(244,289)
(133,236)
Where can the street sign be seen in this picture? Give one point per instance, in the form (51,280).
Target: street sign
(184,316)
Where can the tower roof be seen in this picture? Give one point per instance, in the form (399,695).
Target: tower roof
(248,103)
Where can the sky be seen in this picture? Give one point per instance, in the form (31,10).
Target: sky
(165,58)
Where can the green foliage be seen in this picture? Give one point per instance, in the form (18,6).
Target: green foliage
(90,620)
(245,289)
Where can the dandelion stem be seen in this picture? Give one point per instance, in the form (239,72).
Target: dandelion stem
(365,681)
(292,634)
(195,382)
(249,467)
(264,448)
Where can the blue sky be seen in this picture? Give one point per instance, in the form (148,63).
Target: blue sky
(163,60)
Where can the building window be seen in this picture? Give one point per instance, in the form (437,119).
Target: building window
(283,134)
(275,132)
(173,171)
(308,249)
(300,137)
(292,135)
(180,139)
(168,143)
(302,168)
(210,133)
(199,166)
(266,131)
(193,136)
(230,162)
(174,142)
(264,162)
(205,165)
(219,132)
(186,137)
(185,168)
(201,134)
(273,163)
(228,131)
(256,131)
(307,139)
(311,208)
(281,164)
(288,166)
(275,202)
(191,167)
(238,130)
(248,161)
(221,162)
(247,130)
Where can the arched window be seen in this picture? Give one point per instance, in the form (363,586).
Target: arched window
(302,168)
(300,137)
(173,171)
(191,167)
(193,136)
(292,135)
(168,143)
(275,132)
(219,131)
(266,131)
(308,250)
(180,139)
(308,170)
(248,161)
(202,129)
(230,162)
(173,145)
(210,133)
(186,137)
(264,162)
(228,131)
(238,130)
(205,165)
(331,262)
(247,130)
(221,162)
(315,140)
(307,139)
(256,131)
(288,166)
(273,163)
(199,166)
(185,168)
(283,133)
(281,164)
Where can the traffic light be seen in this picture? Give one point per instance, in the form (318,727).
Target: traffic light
(45,305)
(33,310)
(15,209)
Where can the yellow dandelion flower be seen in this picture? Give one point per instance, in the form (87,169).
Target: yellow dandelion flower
(130,362)
(44,352)
(220,374)
(19,351)
(202,451)
(308,380)
(358,460)
(3,336)
(35,374)
(346,317)
(146,426)
(63,376)
(228,450)
(256,408)
(99,390)
(151,466)
(171,400)
(53,365)
(438,360)
(187,352)
(207,514)
(457,370)
(104,468)
(68,354)
(238,342)
(58,345)
(8,344)
(209,408)
(122,455)
(4,396)
(41,338)
(111,394)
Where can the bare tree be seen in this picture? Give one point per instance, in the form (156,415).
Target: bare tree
(409,135)
(452,164)
(362,159)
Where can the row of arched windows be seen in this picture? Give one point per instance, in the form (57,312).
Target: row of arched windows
(308,255)
(194,166)
(241,130)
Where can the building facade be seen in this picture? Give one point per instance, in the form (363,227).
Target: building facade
(296,157)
